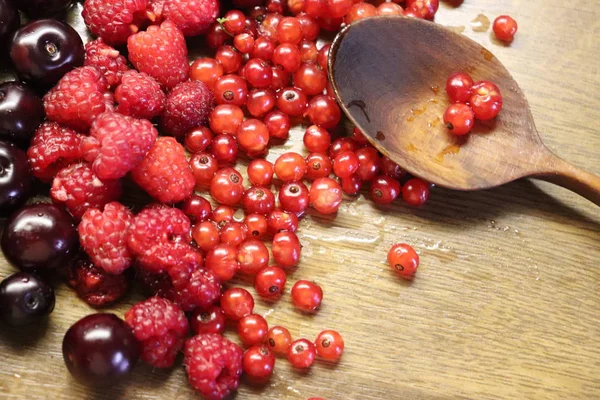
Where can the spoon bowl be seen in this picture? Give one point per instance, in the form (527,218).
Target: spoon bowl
(389,74)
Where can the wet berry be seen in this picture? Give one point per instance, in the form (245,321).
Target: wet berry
(403,259)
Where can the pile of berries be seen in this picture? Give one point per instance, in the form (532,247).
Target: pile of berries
(108,122)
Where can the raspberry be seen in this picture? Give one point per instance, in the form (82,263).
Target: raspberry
(114,20)
(160,327)
(156,8)
(53,147)
(192,17)
(160,52)
(213,365)
(117,144)
(139,96)
(165,173)
(79,97)
(94,285)
(188,106)
(103,235)
(201,291)
(79,188)
(159,236)
(107,60)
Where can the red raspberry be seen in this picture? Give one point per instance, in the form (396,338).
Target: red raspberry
(139,96)
(159,236)
(202,290)
(117,144)
(53,147)
(114,20)
(107,60)
(160,327)
(103,236)
(79,97)
(192,17)
(156,8)
(165,173)
(213,365)
(94,285)
(79,188)
(160,52)
(188,106)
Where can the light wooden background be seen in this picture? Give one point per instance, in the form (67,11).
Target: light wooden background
(505,304)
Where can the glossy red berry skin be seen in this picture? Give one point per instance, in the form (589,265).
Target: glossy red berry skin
(360,11)
(389,9)
(252,329)
(359,137)
(253,256)
(307,296)
(301,354)
(351,185)
(338,8)
(258,364)
(258,73)
(391,169)
(278,124)
(225,119)
(315,8)
(225,149)
(234,22)
(324,111)
(294,197)
(206,235)
(286,249)
(505,28)
(292,101)
(289,30)
(210,320)
(279,340)
(204,167)
(415,192)
(227,187)
(198,139)
(237,303)
(260,102)
(281,78)
(257,225)
(318,165)
(425,9)
(233,233)
(329,345)
(290,167)
(345,164)
(244,43)
(325,195)
(317,139)
(231,89)
(222,261)
(216,36)
(384,189)
(287,56)
(270,282)
(221,215)
(230,58)
(253,137)
(258,200)
(403,259)
(207,70)
(458,87)
(263,48)
(311,79)
(323,56)
(459,118)
(281,221)
(197,208)
(342,144)
(369,163)
(310,27)
(486,100)
(260,172)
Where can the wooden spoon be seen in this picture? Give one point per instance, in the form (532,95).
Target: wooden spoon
(389,74)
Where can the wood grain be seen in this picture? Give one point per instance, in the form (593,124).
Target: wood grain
(505,304)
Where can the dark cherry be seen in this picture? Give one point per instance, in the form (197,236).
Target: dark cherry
(40,237)
(100,348)
(16,181)
(9,20)
(25,299)
(21,113)
(44,50)
(43,8)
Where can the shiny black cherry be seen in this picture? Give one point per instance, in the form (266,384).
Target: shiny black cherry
(25,299)
(21,113)
(45,50)
(16,181)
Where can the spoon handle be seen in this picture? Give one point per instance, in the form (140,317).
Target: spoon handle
(562,173)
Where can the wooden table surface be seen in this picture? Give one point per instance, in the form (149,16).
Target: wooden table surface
(506,300)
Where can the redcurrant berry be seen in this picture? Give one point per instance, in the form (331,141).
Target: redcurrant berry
(403,259)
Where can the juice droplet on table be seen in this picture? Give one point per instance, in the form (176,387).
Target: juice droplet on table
(411,147)
(435,89)
(481,23)
(450,149)
(433,123)
(457,29)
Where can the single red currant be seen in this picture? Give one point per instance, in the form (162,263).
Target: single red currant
(389,9)
(308,51)
(207,70)
(237,303)
(244,42)
(459,119)
(221,215)
(278,124)
(307,296)
(233,233)
(252,329)
(403,259)
(293,197)
(426,9)
(231,89)
(329,345)
(222,260)
(359,137)
(210,320)
(258,200)
(253,137)
(260,102)
(234,22)
(292,101)
(310,27)
(324,111)
(325,195)
(360,11)
(318,165)
(342,144)
(260,172)
(257,225)
(197,208)
(301,353)
(286,249)
(287,56)
(216,36)
(384,189)
(227,187)
(290,167)
(204,167)
(258,364)
(505,28)
(279,340)
(224,148)
(345,164)
(289,30)
(281,78)
(281,221)
(323,56)
(315,8)
(230,58)
(198,139)
(206,235)
(415,192)
(458,87)
(391,169)
(226,118)
(270,282)
(351,185)
(258,73)
(263,48)
(486,100)
(311,79)
(253,256)
(338,8)
(369,163)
